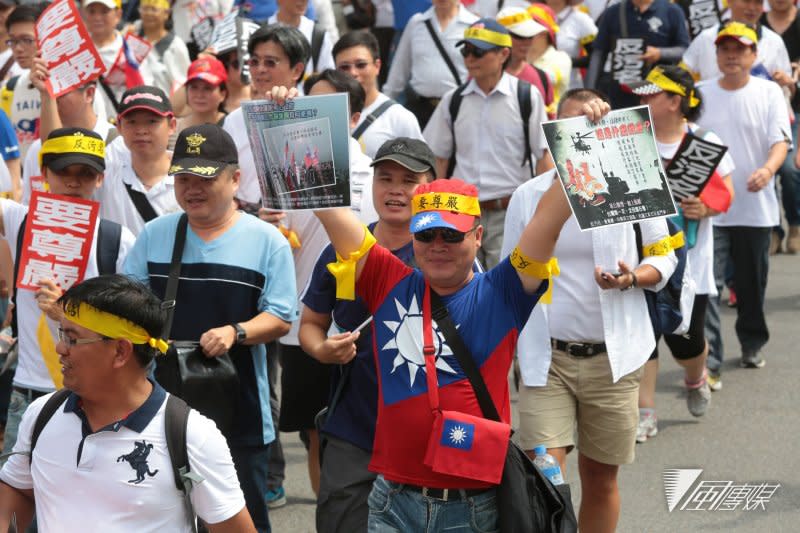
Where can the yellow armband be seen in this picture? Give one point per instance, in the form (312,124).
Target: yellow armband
(677,241)
(534,269)
(659,248)
(344,270)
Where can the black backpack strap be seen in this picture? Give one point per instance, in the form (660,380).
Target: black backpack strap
(461,352)
(141,203)
(111,135)
(442,52)
(455,105)
(317,36)
(637,230)
(171,290)
(623,20)
(109,93)
(500,4)
(176,423)
(524,98)
(109,237)
(12,83)
(48,410)
(20,239)
(162,45)
(372,117)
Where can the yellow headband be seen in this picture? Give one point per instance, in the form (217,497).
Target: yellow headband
(516,18)
(446,201)
(162,4)
(489,36)
(73,144)
(657,77)
(112,326)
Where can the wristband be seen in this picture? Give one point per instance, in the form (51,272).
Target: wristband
(634,282)
(534,269)
(344,270)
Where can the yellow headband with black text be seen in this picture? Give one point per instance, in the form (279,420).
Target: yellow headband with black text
(111,326)
(73,144)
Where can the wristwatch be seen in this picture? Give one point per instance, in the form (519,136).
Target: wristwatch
(634,282)
(241,334)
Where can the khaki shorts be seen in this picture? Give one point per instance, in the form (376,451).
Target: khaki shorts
(580,389)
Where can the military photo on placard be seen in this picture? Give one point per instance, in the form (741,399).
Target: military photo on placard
(611,170)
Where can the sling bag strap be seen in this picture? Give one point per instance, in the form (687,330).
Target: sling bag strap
(176,421)
(442,52)
(623,19)
(455,105)
(48,410)
(174,274)
(463,356)
(317,36)
(525,108)
(372,117)
(141,203)
(109,93)
(6,67)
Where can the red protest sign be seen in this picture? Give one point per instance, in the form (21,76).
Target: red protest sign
(66,46)
(58,240)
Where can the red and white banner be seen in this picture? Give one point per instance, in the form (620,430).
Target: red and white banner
(65,44)
(58,240)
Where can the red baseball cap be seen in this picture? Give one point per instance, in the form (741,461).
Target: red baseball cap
(208,69)
(445,203)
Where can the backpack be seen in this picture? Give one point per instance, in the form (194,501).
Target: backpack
(176,419)
(670,308)
(317,36)
(524,100)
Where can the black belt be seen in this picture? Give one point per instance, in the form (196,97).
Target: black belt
(30,394)
(579,349)
(446,494)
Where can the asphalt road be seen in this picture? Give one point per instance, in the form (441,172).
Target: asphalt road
(749,436)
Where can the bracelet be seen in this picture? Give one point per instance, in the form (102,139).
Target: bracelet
(634,282)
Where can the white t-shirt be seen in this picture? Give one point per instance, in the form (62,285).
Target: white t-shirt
(187,13)
(396,121)
(701,56)
(116,204)
(306,27)
(84,483)
(749,121)
(24,110)
(14,69)
(167,71)
(109,54)
(573,27)
(249,190)
(32,372)
(701,255)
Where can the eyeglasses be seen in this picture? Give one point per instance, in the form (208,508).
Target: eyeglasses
(358,65)
(70,342)
(24,41)
(450,236)
(468,50)
(269,62)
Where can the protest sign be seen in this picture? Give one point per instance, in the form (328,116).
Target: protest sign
(611,170)
(233,33)
(692,166)
(700,14)
(626,63)
(301,151)
(57,241)
(65,44)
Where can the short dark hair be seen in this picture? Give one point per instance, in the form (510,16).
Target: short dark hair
(355,38)
(124,297)
(343,83)
(26,13)
(683,77)
(580,95)
(293,42)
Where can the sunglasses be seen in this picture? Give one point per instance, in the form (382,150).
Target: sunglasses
(450,236)
(468,50)
(255,62)
(358,65)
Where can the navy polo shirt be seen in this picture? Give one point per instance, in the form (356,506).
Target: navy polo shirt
(661,25)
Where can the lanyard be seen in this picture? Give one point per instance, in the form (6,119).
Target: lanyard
(429,350)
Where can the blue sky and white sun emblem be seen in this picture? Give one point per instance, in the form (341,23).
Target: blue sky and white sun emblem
(424,220)
(458,435)
(407,340)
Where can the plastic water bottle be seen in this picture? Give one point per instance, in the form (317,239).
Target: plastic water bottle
(548,465)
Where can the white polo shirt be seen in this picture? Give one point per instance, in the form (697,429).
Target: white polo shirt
(306,27)
(749,121)
(397,121)
(120,477)
(701,56)
(489,140)
(249,190)
(116,204)
(417,60)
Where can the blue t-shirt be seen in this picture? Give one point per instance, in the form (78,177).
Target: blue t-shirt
(8,139)
(405,9)
(261,10)
(246,271)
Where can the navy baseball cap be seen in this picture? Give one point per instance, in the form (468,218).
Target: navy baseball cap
(486,34)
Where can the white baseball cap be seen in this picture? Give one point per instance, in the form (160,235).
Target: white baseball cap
(518,21)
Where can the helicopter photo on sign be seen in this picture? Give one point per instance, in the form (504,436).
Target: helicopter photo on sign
(610,170)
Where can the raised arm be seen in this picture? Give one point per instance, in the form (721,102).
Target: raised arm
(346,232)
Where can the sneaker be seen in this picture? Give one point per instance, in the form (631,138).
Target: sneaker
(714,381)
(698,396)
(648,426)
(751,359)
(276,498)
(731,297)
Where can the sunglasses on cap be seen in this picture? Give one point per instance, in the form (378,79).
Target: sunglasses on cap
(469,49)
(450,236)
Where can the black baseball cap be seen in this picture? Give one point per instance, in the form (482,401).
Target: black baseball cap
(147,98)
(73,146)
(413,154)
(203,151)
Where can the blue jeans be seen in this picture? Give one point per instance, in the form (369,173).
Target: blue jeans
(251,464)
(16,408)
(789,176)
(393,509)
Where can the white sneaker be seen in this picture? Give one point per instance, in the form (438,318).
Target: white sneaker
(648,426)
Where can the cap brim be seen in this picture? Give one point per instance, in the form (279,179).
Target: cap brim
(412,164)
(109,4)
(642,88)
(60,162)
(141,107)
(477,43)
(441,219)
(204,168)
(527,29)
(741,40)
(207,77)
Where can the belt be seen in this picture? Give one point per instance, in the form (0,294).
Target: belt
(30,394)
(446,494)
(498,204)
(579,349)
